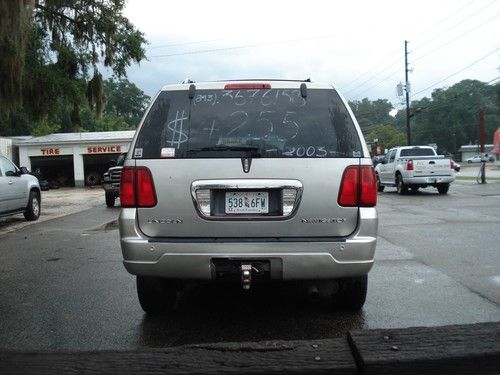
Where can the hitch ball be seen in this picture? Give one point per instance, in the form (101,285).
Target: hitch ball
(246,276)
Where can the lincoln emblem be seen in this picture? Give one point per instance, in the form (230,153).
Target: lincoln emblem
(246,163)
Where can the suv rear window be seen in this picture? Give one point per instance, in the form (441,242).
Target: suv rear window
(277,123)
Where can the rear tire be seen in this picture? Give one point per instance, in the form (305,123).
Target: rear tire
(400,185)
(443,188)
(156,295)
(93,178)
(380,188)
(351,294)
(110,199)
(32,211)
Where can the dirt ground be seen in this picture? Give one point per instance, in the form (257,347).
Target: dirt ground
(57,203)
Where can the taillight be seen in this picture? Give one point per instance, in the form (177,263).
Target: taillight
(452,164)
(358,187)
(368,196)
(409,165)
(127,187)
(247,86)
(146,194)
(137,188)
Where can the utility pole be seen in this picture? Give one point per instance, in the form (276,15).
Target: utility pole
(482,171)
(407,89)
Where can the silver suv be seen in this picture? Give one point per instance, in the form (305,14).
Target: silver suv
(19,191)
(248,181)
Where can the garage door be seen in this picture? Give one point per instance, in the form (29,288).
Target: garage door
(95,166)
(58,170)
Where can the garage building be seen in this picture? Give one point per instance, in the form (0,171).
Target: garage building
(468,151)
(74,159)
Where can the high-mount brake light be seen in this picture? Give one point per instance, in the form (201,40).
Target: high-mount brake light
(409,165)
(358,187)
(137,188)
(247,86)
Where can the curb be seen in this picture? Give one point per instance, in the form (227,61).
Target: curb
(457,349)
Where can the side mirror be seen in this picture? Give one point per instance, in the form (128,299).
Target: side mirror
(112,163)
(24,170)
(384,161)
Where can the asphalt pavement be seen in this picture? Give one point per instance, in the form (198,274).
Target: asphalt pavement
(63,286)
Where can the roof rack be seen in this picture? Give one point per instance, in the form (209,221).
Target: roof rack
(266,79)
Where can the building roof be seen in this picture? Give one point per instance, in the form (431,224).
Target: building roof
(474,148)
(62,138)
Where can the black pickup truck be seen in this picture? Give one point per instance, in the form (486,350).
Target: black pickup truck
(111,181)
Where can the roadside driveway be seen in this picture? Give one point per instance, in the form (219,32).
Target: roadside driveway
(57,203)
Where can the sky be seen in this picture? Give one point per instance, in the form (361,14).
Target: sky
(357,46)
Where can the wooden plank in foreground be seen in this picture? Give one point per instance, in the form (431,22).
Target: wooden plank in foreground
(269,357)
(459,349)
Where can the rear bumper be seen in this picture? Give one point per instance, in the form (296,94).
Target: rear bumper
(304,260)
(428,180)
(110,187)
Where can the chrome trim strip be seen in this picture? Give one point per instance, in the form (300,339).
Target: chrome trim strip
(246,184)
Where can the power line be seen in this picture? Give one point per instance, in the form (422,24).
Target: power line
(186,43)
(371,69)
(241,47)
(432,106)
(421,57)
(456,38)
(456,96)
(456,24)
(392,54)
(459,71)
(378,83)
(373,77)
(494,79)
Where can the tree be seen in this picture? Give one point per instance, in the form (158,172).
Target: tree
(50,51)
(450,117)
(387,136)
(126,100)
(371,113)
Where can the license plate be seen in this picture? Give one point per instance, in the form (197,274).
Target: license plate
(247,202)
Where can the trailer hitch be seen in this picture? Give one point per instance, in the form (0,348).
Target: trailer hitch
(246,276)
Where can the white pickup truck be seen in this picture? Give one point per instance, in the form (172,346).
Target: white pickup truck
(414,167)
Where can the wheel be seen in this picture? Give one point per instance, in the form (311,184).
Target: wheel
(92,178)
(379,187)
(443,188)
(110,199)
(400,185)
(32,211)
(351,294)
(469,161)
(157,295)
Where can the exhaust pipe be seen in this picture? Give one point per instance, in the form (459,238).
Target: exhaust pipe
(322,289)
(313,292)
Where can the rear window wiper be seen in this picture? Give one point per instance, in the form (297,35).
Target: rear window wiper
(253,149)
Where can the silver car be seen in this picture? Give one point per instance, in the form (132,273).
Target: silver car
(248,182)
(19,191)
